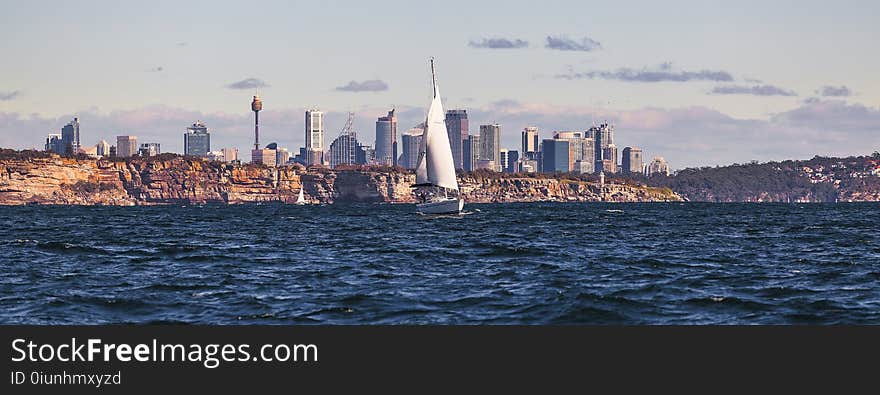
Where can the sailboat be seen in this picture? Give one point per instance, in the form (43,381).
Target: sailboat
(437,187)
(302,198)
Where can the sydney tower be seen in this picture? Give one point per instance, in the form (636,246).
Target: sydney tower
(256,106)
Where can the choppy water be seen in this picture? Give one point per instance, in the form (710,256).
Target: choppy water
(535,263)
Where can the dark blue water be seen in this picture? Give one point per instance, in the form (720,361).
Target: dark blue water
(382,264)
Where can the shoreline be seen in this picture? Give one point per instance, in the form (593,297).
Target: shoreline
(55,180)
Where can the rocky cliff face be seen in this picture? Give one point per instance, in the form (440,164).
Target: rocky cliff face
(56,180)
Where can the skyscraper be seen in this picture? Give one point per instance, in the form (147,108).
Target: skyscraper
(410,142)
(632,161)
(265,156)
(343,150)
(530,144)
(126,146)
(658,165)
(229,154)
(604,136)
(457,130)
(386,139)
(609,159)
(102,149)
(581,150)
(365,155)
(70,137)
(471,152)
(503,159)
(314,137)
(513,163)
(196,140)
(555,155)
(54,143)
(149,149)
(282,155)
(490,144)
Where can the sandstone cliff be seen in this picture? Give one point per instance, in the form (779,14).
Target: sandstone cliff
(178,180)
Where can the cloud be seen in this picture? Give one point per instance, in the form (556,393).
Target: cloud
(662,73)
(248,83)
(181,44)
(157,69)
(754,90)
(364,86)
(834,91)
(6,96)
(561,43)
(835,115)
(499,43)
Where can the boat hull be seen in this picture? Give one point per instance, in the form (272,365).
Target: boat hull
(445,206)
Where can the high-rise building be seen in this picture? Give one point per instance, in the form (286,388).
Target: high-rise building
(70,137)
(609,159)
(149,149)
(632,161)
(365,155)
(215,156)
(658,165)
(343,150)
(583,166)
(229,154)
(530,144)
(282,155)
(102,149)
(265,156)
(197,140)
(603,136)
(503,159)
(411,142)
(126,146)
(457,130)
(513,163)
(386,139)
(471,152)
(490,144)
(555,155)
(112,151)
(54,143)
(581,148)
(314,137)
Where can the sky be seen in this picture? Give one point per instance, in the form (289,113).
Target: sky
(701,83)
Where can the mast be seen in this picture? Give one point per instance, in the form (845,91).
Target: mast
(433,78)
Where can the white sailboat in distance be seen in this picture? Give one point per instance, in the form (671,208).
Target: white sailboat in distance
(301,199)
(437,187)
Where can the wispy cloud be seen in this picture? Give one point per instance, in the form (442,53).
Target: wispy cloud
(562,43)
(182,44)
(835,91)
(6,96)
(248,83)
(156,69)
(661,73)
(499,43)
(754,90)
(364,86)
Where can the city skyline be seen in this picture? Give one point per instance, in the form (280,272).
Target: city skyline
(745,88)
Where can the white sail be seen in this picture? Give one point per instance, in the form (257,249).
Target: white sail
(439,167)
(301,198)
